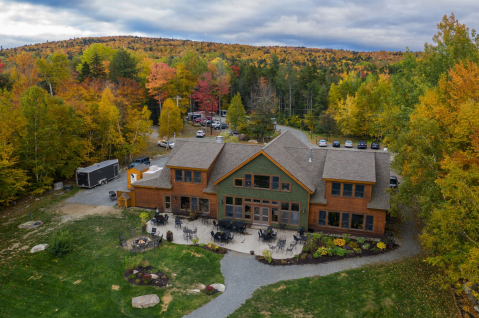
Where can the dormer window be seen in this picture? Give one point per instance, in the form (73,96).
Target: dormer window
(346,190)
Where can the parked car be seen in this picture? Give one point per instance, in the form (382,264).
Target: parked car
(200,134)
(393,182)
(348,144)
(374,145)
(198,120)
(163,143)
(336,143)
(362,145)
(322,143)
(138,161)
(216,125)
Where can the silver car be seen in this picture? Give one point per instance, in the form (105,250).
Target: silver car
(348,144)
(322,143)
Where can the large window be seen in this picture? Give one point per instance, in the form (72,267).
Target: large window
(294,218)
(284,212)
(357,221)
(187,176)
(346,220)
(347,190)
(274,215)
(238,183)
(238,208)
(247,211)
(185,203)
(229,207)
(179,175)
(194,203)
(261,182)
(197,176)
(167,203)
(359,191)
(336,189)
(333,219)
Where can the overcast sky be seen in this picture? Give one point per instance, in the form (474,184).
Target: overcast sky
(361,25)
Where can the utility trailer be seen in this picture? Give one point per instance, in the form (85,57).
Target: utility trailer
(97,174)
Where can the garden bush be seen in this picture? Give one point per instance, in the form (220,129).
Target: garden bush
(61,242)
(268,255)
(366,246)
(339,251)
(346,238)
(381,245)
(209,290)
(147,278)
(361,240)
(353,245)
(132,262)
(195,240)
(339,242)
(145,264)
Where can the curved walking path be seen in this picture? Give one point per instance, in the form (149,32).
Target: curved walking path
(243,274)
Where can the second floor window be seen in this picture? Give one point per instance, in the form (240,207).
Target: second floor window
(348,190)
(261,182)
(187,176)
(258,181)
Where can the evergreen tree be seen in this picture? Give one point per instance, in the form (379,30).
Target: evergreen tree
(84,72)
(123,65)
(96,67)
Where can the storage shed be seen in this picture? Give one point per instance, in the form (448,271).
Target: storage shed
(124,200)
(136,173)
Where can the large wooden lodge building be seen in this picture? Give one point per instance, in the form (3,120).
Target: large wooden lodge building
(284,181)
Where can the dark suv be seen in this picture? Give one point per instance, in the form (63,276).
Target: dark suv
(393,182)
(336,143)
(140,160)
(362,144)
(375,145)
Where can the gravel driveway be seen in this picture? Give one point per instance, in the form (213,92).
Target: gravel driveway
(243,274)
(99,195)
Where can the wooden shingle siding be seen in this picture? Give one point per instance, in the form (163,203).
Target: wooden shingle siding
(147,198)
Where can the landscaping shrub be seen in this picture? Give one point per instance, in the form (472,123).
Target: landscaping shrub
(353,245)
(61,242)
(339,251)
(209,290)
(316,236)
(310,245)
(147,278)
(132,276)
(268,255)
(202,244)
(145,264)
(381,245)
(317,254)
(132,262)
(339,242)
(366,246)
(361,240)
(358,250)
(374,249)
(195,240)
(346,238)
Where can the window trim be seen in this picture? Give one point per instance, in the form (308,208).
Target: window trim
(281,186)
(201,177)
(234,182)
(164,203)
(353,194)
(265,175)
(197,203)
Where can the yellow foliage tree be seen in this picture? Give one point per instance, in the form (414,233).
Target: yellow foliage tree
(170,119)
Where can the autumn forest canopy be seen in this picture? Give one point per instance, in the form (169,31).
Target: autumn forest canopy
(70,103)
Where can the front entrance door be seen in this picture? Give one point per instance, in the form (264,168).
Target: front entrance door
(260,215)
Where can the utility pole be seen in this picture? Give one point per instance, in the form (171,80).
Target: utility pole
(177,97)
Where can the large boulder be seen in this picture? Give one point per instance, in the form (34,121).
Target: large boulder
(218,287)
(145,301)
(38,248)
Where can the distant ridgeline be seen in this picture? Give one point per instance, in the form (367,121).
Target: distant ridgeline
(157,48)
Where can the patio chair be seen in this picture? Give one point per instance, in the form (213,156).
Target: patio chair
(303,238)
(153,232)
(259,235)
(290,249)
(296,239)
(166,218)
(272,247)
(280,245)
(123,243)
(301,231)
(159,241)
(178,223)
(229,236)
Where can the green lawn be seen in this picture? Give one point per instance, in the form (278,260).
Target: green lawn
(80,283)
(399,289)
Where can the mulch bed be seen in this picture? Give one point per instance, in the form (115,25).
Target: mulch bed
(463,304)
(309,259)
(161,281)
(220,250)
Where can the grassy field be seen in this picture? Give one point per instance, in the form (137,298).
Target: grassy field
(399,289)
(80,283)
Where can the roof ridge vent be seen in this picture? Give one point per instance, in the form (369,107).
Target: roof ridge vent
(310,155)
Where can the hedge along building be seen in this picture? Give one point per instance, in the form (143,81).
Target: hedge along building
(331,190)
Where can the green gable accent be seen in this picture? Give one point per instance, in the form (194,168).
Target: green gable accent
(262,165)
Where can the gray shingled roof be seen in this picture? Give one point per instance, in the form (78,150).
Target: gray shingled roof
(350,165)
(141,167)
(126,196)
(379,196)
(230,157)
(196,155)
(276,150)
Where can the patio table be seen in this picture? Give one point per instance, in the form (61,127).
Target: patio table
(160,219)
(221,237)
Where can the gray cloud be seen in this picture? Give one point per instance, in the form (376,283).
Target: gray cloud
(356,25)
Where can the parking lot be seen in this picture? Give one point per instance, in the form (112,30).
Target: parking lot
(99,195)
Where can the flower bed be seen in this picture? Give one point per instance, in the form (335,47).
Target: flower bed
(144,276)
(213,248)
(323,249)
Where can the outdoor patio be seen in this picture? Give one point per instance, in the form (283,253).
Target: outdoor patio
(243,243)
